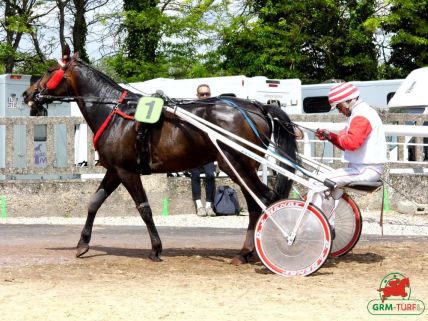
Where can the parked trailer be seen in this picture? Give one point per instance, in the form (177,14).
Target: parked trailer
(290,94)
(412,98)
(11,105)
(412,94)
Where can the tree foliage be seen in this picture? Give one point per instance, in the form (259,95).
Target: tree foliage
(168,39)
(408,24)
(32,30)
(313,40)
(80,28)
(16,24)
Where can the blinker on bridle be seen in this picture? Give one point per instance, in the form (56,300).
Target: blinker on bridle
(58,75)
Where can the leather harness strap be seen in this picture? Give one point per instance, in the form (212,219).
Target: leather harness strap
(107,121)
(122,96)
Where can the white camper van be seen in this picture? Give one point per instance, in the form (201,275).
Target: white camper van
(376,93)
(285,92)
(293,97)
(412,98)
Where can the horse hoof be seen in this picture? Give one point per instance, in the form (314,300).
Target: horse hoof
(238,260)
(82,249)
(154,258)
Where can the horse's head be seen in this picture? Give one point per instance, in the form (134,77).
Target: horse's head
(52,84)
(405,282)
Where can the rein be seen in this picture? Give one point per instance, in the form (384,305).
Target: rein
(288,160)
(115,110)
(303,127)
(90,99)
(248,119)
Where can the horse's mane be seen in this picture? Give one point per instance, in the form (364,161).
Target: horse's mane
(131,96)
(101,75)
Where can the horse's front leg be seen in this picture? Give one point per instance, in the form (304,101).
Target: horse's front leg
(132,183)
(109,183)
(248,173)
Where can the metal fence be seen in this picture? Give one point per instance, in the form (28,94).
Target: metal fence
(404,140)
(397,139)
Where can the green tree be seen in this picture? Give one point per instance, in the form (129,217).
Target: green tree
(188,49)
(17,21)
(267,44)
(408,24)
(142,23)
(352,52)
(313,40)
(169,39)
(80,28)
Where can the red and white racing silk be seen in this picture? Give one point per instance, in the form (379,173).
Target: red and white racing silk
(363,140)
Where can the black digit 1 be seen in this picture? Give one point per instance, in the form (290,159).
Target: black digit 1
(151,105)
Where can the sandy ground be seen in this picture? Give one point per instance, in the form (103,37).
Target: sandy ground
(45,282)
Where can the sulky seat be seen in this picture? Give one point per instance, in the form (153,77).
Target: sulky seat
(368,187)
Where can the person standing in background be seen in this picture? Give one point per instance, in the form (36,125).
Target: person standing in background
(203,91)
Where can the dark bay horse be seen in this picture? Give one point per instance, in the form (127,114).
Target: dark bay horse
(173,145)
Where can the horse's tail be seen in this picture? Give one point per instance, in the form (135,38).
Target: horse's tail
(285,139)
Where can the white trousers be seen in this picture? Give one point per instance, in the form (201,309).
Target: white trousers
(352,174)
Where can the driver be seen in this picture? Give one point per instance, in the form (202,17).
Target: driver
(362,140)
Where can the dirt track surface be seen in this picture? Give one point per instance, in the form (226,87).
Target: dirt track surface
(40,279)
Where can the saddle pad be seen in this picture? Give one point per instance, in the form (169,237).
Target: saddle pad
(149,109)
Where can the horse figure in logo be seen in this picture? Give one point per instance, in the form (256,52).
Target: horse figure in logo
(172,145)
(395,287)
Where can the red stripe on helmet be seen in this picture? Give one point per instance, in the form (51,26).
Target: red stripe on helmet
(342,92)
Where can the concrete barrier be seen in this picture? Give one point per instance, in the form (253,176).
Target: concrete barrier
(69,198)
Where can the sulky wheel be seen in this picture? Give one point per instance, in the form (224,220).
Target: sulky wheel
(307,252)
(347,225)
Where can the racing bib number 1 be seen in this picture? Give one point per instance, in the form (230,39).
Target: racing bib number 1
(149,109)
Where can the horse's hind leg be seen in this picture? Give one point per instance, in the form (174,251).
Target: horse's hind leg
(248,172)
(132,183)
(247,249)
(109,183)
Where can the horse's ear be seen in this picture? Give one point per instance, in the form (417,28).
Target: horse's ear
(66,52)
(76,55)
